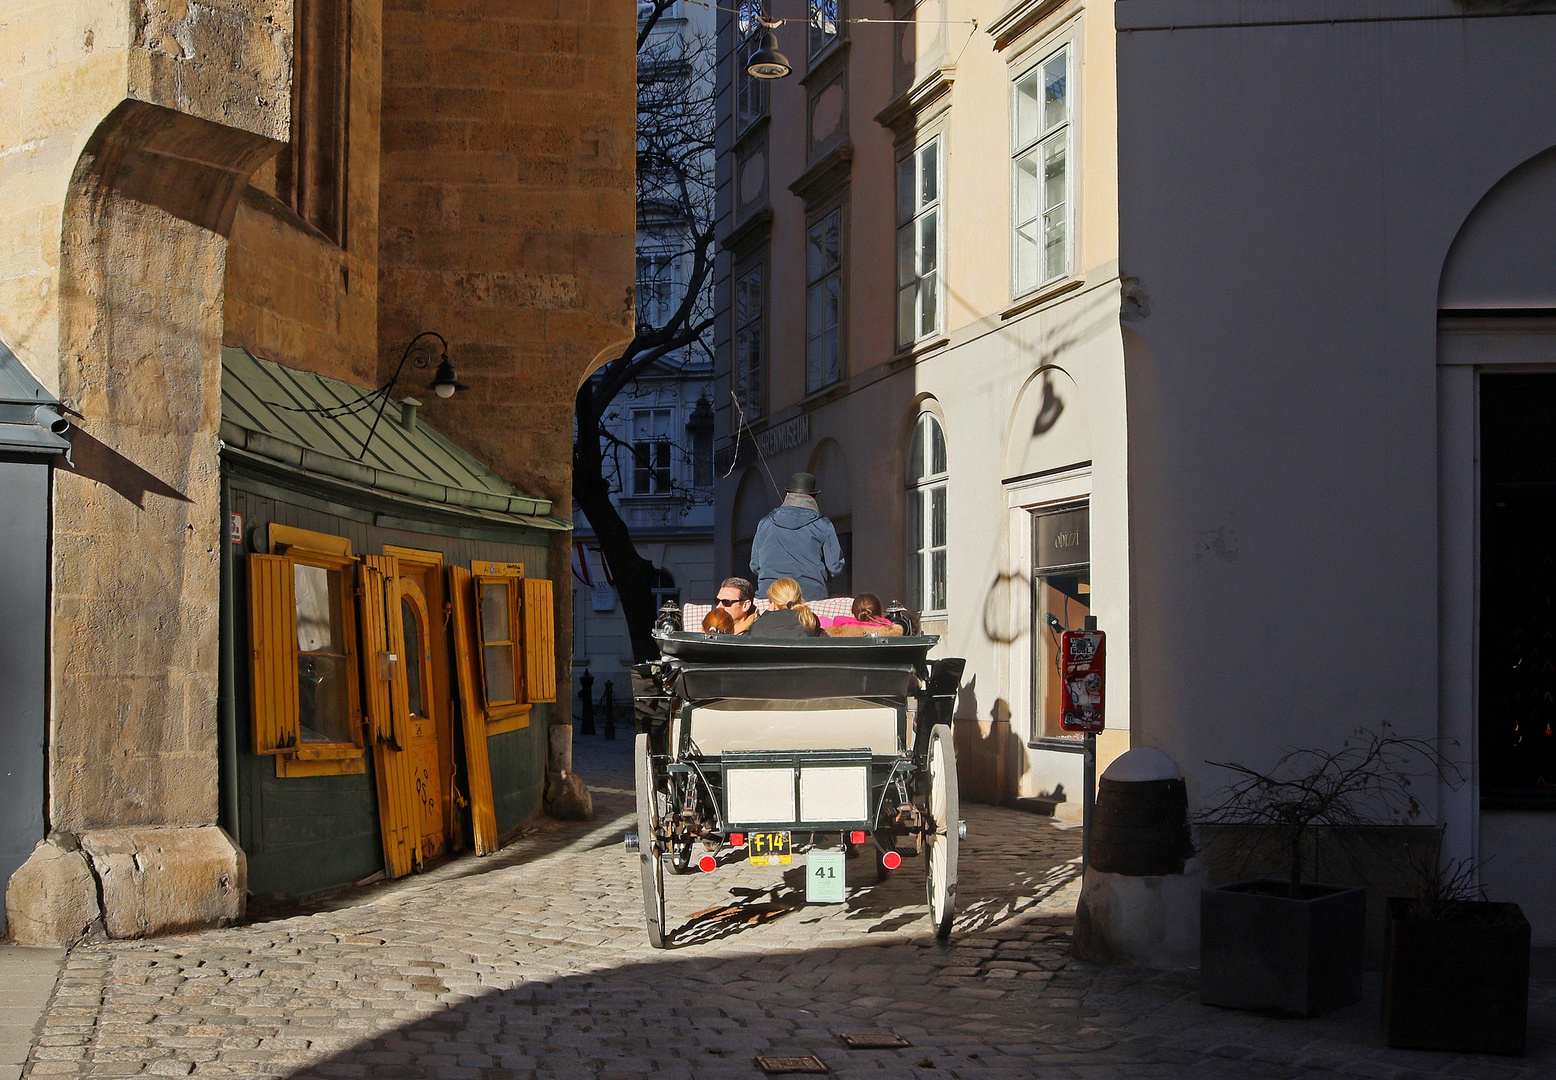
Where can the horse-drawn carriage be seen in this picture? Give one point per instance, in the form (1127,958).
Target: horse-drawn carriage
(782,746)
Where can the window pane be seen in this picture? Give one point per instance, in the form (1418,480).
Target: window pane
(831,369)
(412,658)
(928,238)
(317,615)
(936,582)
(1067,597)
(494,611)
(1053,244)
(1028,190)
(323,708)
(905,267)
(905,207)
(915,521)
(929,174)
(929,317)
(937,516)
(499,673)
(824,245)
(1027,111)
(1053,173)
(1055,90)
(823,24)
(907,305)
(937,444)
(916,454)
(916,583)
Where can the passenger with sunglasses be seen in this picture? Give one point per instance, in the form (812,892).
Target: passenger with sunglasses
(736,596)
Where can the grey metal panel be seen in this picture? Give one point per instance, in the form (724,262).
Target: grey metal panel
(24,613)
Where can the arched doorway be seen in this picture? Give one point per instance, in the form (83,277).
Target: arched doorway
(753,499)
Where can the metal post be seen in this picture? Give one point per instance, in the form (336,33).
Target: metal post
(610,710)
(586,692)
(1088,799)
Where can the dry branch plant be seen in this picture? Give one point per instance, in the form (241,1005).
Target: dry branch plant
(1367,781)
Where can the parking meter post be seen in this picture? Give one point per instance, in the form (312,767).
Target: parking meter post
(1088,799)
(610,710)
(586,692)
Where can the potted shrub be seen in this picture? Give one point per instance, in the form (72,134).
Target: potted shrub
(1455,968)
(1289,945)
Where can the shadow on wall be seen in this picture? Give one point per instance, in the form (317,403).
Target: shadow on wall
(98,461)
(990,758)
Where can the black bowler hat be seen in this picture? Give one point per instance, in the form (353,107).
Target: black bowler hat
(802,483)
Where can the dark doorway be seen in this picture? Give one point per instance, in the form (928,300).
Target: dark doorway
(1518,590)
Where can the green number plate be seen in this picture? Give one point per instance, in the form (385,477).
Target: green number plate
(769,849)
(824,872)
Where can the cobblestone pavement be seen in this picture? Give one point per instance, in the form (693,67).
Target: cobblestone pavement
(534,963)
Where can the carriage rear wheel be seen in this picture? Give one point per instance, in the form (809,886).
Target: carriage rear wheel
(942,832)
(652,862)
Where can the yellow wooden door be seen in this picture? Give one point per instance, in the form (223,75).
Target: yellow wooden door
(383,675)
(478,770)
(425,715)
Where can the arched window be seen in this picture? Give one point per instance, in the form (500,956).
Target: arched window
(926,518)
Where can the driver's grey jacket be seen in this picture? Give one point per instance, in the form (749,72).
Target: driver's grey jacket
(796,542)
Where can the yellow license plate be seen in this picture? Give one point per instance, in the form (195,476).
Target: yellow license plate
(769,848)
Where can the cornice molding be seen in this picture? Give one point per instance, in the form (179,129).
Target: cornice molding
(758,222)
(826,175)
(906,106)
(1020,17)
(826,65)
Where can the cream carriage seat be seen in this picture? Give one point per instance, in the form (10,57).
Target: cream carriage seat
(805,724)
(831,608)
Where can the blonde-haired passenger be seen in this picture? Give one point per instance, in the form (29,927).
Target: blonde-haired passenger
(790,615)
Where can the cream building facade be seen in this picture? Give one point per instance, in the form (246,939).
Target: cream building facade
(924,296)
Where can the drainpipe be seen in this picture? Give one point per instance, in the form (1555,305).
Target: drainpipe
(226,707)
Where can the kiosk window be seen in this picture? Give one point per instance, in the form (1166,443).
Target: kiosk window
(1061,594)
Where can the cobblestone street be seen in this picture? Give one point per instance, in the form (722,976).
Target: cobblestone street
(534,962)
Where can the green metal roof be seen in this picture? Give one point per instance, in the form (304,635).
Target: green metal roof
(274,412)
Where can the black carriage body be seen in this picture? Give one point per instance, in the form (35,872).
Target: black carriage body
(742,721)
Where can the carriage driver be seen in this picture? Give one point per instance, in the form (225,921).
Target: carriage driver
(735,597)
(795,541)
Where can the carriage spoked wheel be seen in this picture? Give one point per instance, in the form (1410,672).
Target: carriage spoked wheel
(651,860)
(942,832)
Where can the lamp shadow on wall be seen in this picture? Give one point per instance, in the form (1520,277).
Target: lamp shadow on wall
(97,461)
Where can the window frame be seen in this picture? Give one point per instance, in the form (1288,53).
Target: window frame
(1062,132)
(812,282)
(651,448)
(752,399)
(750,93)
(908,222)
(496,710)
(1041,639)
(919,485)
(817,41)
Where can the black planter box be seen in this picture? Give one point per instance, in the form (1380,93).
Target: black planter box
(1260,948)
(1459,982)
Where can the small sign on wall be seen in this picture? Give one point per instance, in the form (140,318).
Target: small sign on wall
(234,527)
(603,597)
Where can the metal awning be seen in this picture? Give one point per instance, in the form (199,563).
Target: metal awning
(317,425)
(30,416)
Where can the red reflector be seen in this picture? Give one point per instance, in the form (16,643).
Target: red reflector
(737,839)
(891,860)
(707,864)
(856,837)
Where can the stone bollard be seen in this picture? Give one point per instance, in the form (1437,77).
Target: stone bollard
(1140,899)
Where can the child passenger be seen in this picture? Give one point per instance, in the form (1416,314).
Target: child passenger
(866,619)
(718,621)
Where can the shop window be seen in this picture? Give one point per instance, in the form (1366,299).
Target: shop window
(918,244)
(311,170)
(824,301)
(1041,182)
(1061,600)
(306,697)
(926,518)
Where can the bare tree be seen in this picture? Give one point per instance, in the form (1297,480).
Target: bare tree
(675,202)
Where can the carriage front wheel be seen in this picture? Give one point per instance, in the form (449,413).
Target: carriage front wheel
(648,848)
(942,832)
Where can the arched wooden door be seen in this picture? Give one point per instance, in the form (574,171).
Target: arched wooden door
(427,729)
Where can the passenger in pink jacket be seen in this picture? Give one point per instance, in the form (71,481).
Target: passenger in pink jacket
(866,619)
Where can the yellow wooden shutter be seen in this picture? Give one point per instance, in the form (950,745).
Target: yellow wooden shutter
(539,641)
(399,811)
(273,653)
(478,769)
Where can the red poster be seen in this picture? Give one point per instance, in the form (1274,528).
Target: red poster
(1082,669)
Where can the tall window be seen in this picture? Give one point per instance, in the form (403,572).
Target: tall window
(748,341)
(657,292)
(918,244)
(311,171)
(651,452)
(823,22)
(1041,182)
(823,300)
(324,660)
(926,518)
(750,93)
(1061,593)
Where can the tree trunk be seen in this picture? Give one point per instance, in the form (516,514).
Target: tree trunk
(633,574)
